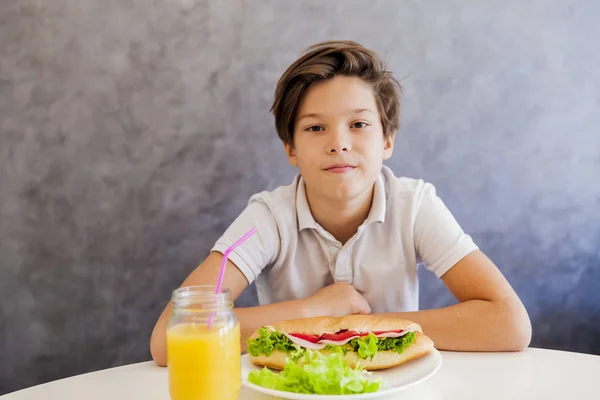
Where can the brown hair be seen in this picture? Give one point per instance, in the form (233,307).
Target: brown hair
(324,61)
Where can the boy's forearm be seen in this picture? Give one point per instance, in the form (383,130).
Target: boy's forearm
(250,319)
(158,340)
(475,325)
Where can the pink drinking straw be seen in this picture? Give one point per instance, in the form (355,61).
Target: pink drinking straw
(224,264)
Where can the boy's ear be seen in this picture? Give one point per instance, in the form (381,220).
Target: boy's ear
(291,154)
(388,146)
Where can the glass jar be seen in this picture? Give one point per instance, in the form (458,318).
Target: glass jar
(203,345)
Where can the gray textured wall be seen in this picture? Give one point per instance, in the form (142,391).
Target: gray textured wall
(133,132)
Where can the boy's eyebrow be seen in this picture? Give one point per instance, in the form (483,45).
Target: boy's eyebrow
(317,115)
(359,110)
(311,115)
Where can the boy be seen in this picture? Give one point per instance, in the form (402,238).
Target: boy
(346,236)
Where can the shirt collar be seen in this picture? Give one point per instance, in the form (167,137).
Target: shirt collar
(305,218)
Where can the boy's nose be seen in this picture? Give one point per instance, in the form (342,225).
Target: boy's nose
(339,149)
(339,143)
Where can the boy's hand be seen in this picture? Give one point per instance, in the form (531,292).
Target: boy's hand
(337,300)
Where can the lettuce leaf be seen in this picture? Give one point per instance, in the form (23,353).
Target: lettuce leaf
(269,341)
(316,373)
(397,344)
(343,349)
(366,346)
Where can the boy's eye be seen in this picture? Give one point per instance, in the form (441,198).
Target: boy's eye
(315,128)
(359,125)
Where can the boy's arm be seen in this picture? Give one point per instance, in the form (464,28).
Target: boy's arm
(490,316)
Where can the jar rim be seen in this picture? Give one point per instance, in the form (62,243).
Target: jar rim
(202,297)
(200,290)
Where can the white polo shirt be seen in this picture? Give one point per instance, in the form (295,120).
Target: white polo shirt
(291,256)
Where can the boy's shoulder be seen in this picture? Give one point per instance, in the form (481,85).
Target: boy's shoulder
(401,187)
(281,201)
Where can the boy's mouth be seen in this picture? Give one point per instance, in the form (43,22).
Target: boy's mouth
(340,168)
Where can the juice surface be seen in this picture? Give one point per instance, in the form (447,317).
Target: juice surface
(204,363)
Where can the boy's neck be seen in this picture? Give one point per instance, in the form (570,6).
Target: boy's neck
(341,218)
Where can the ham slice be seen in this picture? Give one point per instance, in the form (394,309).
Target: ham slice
(306,343)
(347,338)
(338,339)
(338,342)
(393,334)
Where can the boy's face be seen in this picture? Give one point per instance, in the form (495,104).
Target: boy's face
(339,146)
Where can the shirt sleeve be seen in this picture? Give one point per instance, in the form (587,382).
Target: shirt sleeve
(258,251)
(439,240)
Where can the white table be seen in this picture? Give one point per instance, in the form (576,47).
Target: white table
(531,374)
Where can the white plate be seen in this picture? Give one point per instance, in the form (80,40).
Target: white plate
(394,379)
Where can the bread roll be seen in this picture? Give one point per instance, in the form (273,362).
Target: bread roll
(360,323)
(382,360)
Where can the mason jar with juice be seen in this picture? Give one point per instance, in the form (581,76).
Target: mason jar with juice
(203,345)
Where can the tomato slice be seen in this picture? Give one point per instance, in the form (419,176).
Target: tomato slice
(308,338)
(341,335)
(337,337)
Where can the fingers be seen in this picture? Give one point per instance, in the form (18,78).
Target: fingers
(362,308)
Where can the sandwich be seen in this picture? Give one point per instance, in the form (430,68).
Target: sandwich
(372,342)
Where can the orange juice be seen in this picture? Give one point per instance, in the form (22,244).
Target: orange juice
(204,363)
